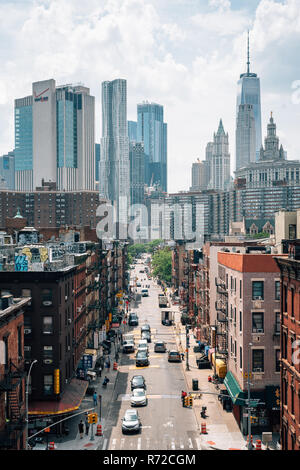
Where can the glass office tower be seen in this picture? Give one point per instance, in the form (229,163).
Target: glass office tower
(23,144)
(153,132)
(249,93)
(114,181)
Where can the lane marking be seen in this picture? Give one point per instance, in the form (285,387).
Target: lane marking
(104,444)
(113,444)
(190,443)
(198,442)
(139,443)
(122,443)
(173,445)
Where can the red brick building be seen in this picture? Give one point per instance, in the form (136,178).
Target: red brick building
(12,373)
(290,345)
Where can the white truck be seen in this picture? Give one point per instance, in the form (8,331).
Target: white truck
(167,317)
(162,300)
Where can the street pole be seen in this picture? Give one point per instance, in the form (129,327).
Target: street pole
(187,342)
(249,411)
(26,400)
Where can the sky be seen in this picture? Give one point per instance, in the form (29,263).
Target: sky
(184,54)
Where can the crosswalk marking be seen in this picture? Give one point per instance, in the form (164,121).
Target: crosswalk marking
(190,443)
(138,443)
(113,444)
(198,443)
(104,444)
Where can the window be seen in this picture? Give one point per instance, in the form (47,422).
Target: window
(277,360)
(241,357)
(292,301)
(292,400)
(20,350)
(241,322)
(257,322)
(48,353)
(26,293)
(46,297)
(257,360)
(27,353)
(284,345)
(277,290)
(47,325)
(48,384)
(277,323)
(258,290)
(284,300)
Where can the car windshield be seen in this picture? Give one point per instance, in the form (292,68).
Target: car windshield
(141,354)
(138,393)
(159,344)
(174,353)
(137,380)
(130,417)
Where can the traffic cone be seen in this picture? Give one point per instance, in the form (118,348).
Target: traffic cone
(203,428)
(258,444)
(51,446)
(99,430)
(115,367)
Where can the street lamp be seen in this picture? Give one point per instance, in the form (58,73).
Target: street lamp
(27,387)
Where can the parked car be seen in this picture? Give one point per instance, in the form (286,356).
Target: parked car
(141,359)
(145,327)
(146,335)
(139,397)
(131,422)
(128,346)
(142,271)
(174,356)
(138,381)
(145,293)
(143,348)
(133,319)
(160,346)
(138,284)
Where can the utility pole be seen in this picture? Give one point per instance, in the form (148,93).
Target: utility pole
(187,342)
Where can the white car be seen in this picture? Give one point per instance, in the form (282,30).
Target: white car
(131,422)
(142,342)
(143,348)
(139,397)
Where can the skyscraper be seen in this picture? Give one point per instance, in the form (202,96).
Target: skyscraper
(245,137)
(97,161)
(217,153)
(54,137)
(132,131)
(152,130)
(137,161)
(7,170)
(200,175)
(249,93)
(114,163)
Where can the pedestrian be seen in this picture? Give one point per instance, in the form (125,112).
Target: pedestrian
(182,356)
(183,395)
(87,424)
(108,363)
(100,371)
(95,398)
(81,429)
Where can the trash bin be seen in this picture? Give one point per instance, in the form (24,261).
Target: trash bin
(195,384)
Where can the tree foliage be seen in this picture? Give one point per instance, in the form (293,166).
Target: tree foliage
(162,264)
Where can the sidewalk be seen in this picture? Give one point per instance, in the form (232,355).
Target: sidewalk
(73,441)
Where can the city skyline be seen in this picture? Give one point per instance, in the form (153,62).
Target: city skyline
(188,59)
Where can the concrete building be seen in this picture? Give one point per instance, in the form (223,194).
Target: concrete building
(54,137)
(219,160)
(200,175)
(249,331)
(12,373)
(137,172)
(289,361)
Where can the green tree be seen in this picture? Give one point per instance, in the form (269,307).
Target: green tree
(162,264)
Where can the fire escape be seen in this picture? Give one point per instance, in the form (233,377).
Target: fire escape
(222,319)
(10,384)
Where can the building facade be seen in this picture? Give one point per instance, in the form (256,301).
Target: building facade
(137,172)
(7,170)
(200,176)
(219,160)
(245,137)
(54,137)
(290,334)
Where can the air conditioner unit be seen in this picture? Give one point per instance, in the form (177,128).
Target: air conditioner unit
(27,331)
(69,321)
(257,369)
(46,303)
(66,297)
(259,330)
(69,348)
(48,361)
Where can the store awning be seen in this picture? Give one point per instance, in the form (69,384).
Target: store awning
(236,393)
(69,401)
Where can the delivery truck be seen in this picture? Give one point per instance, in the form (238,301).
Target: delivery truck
(167,317)
(162,300)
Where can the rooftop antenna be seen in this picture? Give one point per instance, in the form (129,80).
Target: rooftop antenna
(248,56)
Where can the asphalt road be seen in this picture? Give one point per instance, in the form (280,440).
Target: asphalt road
(166,425)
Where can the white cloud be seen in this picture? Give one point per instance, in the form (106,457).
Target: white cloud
(189,63)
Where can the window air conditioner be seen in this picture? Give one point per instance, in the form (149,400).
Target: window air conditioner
(27,331)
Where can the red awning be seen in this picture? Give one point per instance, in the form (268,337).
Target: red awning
(69,401)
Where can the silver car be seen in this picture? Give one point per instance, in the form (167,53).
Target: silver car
(139,397)
(131,422)
(160,346)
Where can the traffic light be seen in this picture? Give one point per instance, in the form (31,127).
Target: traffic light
(253,419)
(92,418)
(56,381)
(191,401)
(186,401)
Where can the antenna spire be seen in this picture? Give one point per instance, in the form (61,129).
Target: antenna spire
(248,56)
